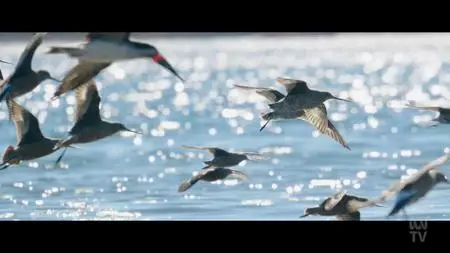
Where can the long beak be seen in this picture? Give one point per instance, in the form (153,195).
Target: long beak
(158,58)
(5,167)
(136,132)
(54,79)
(342,99)
(6,62)
(267,122)
(303,216)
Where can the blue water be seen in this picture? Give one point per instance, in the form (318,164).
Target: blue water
(136,177)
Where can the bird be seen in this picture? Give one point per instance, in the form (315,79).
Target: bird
(99,52)
(24,79)
(210,175)
(89,126)
(416,186)
(223,158)
(299,96)
(444,113)
(316,116)
(342,205)
(31,143)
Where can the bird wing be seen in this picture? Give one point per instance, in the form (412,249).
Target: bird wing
(79,75)
(238,175)
(24,64)
(27,125)
(413,104)
(87,105)
(318,118)
(334,200)
(120,36)
(355,216)
(271,95)
(293,86)
(185,185)
(213,150)
(400,184)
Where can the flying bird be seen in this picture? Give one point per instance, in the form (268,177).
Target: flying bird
(416,186)
(211,175)
(89,126)
(24,79)
(316,116)
(31,143)
(99,52)
(223,158)
(342,205)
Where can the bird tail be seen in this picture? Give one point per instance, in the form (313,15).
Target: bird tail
(6,90)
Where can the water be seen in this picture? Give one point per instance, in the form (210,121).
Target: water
(136,177)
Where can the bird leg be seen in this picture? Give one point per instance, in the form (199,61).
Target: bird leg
(405,214)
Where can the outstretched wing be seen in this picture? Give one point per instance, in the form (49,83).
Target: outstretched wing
(271,95)
(318,118)
(27,125)
(293,86)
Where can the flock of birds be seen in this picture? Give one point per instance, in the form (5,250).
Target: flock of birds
(102,49)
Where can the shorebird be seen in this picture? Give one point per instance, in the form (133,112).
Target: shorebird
(299,96)
(89,126)
(342,205)
(444,113)
(223,158)
(31,143)
(100,51)
(317,116)
(416,186)
(24,79)
(210,175)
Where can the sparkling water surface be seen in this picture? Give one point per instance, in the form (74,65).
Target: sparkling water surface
(136,177)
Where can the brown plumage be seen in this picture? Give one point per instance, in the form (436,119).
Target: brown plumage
(342,205)
(80,74)
(31,143)
(211,175)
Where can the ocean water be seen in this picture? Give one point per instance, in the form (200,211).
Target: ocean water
(135,177)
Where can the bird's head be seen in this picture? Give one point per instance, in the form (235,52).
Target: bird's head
(441,178)
(8,156)
(328,95)
(116,127)
(44,75)
(157,57)
(310,211)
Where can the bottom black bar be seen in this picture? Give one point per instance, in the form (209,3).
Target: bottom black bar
(254,235)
